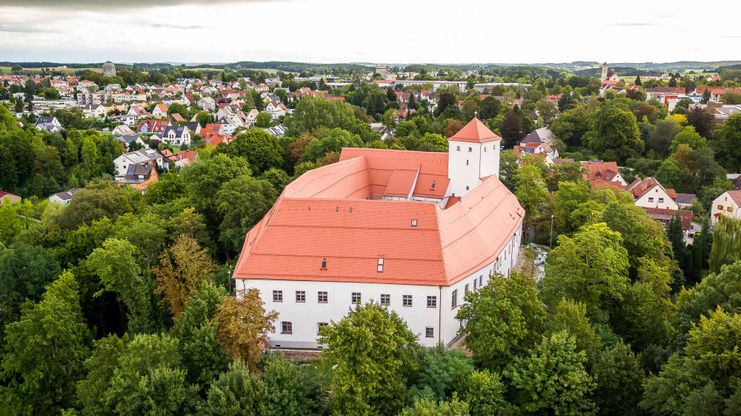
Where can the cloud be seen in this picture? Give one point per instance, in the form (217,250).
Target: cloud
(19,27)
(633,24)
(115,4)
(176,26)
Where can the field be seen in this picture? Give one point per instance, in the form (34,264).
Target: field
(4,70)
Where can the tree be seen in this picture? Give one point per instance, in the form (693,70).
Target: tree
(571,317)
(721,289)
(116,266)
(203,357)
(531,192)
(726,243)
(615,134)
(312,113)
(547,111)
(590,267)
(259,148)
(99,199)
(619,377)
(441,372)
(512,129)
(552,378)
(372,351)
(236,392)
(204,118)
(148,379)
(329,141)
(263,120)
(44,351)
(183,268)
(688,136)
(99,367)
(572,125)
(728,140)
(204,179)
(705,380)
(565,201)
(484,392)
(428,407)
(641,236)
(291,389)
(502,320)
(241,203)
(662,135)
(243,326)
(702,121)
(490,107)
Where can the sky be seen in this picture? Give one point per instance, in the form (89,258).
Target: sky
(378,31)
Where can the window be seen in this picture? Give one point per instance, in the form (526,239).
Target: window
(432,301)
(466,187)
(277,296)
(470,149)
(481,280)
(429,332)
(454,300)
(475,282)
(484,148)
(385,299)
(650,199)
(465,288)
(324,264)
(319,326)
(457,148)
(661,200)
(720,207)
(379,265)
(466,162)
(432,186)
(406,300)
(286,327)
(414,222)
(729,209)
(356,297)
(300,296)
(322,297)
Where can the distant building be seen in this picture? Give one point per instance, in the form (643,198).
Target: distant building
(727,205)
(64,197)
(8,197)
(48,124)
(109,69)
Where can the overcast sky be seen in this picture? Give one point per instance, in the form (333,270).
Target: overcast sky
(382,31)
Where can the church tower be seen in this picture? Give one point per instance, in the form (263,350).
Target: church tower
(473,154)
(604,72)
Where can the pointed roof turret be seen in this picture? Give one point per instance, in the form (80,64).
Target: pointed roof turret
(475,132)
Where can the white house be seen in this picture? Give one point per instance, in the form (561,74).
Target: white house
(276,109)
(207,103)
(177,135)
(49,124)
(160,110)
(63,198)
(728,204)
(123,162)
(384,225)
(649,193)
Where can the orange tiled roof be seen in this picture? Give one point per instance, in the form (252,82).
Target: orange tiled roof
(475,131)
(328,214)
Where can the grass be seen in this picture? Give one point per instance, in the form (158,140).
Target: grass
(66,71)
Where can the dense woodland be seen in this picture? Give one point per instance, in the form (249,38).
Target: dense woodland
(121,303)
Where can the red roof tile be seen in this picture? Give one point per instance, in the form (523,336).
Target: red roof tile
(475,131)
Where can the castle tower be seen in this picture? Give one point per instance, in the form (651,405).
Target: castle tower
(604,72)
(473,154)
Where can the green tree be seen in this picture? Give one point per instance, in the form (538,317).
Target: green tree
(441,372)
(44,351)
(428,407)
(329,141)
(565,201)
(241,203)
(236,392)
(619,378)
(531,192)
(263,120)
(502,320)
(512,129)
(99,367)
(572,125)
(99,199)
(372,352)
(204,178)
(571,317)
(259,148)
(552,379)
(615,135)
(662,136)
(291,389)
(590,267)
(689,136)
(116,265)
(727,142)
(484,392)
(203,357)
(726,247)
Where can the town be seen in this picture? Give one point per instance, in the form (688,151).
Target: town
(302,238)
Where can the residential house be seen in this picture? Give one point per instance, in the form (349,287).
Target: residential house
(541,135)
(123,162)
(207,103)
(603,173)
(213,135)
(48,124)
(122,130)
(728,204)
(129,139)
(177,135)
(63,198)
(649,193)
(276,109)
(151,126)
(7,197)
(160,110)
(140,175)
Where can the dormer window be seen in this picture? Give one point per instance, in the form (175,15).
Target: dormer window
(379,265)
(432,185)
(324,264)
(414,222)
